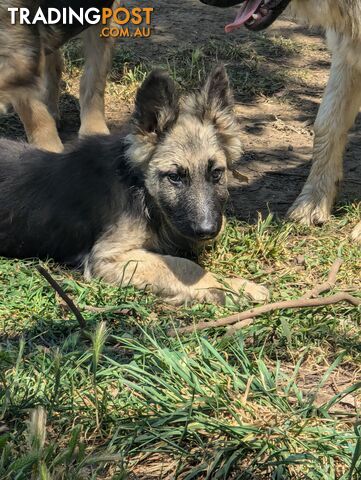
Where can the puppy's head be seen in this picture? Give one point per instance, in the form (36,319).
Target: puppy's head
(184,147)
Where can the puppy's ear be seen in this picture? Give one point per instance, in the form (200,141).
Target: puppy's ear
(156,104)
(217,91)
(214,103)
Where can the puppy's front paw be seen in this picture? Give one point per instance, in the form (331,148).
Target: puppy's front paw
(255,292)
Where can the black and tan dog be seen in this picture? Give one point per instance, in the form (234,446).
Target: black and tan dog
(125,208)
(31,65)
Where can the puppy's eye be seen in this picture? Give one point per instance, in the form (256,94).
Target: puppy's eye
(175,178)
(217,174)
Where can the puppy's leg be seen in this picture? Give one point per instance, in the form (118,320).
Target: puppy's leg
(39,125)
(177,280)
(336,115)
(98,56)
(52,76)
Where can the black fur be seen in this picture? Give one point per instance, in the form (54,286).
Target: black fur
(57,205)
(222,3)
(156,103)
(276,7)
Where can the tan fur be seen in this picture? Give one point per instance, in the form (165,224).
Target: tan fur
(39,125)
(133,252)
(340,105)
(123,257)
(30,81)
(98,56)
(226,126)
(343,16)
(52,76)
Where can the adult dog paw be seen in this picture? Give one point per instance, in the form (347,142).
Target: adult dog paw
(308,211)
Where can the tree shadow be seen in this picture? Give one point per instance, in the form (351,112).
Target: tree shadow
(276,178)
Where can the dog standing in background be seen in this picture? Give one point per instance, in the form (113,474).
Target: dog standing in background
(339,108)
(130,209)
(31,68)
(342,99)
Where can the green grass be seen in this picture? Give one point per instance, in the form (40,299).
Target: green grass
(132,400)
(257,66)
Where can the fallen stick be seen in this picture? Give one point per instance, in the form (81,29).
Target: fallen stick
(69,302)
(246,318)
(243,319)
(328,284)
(298,303)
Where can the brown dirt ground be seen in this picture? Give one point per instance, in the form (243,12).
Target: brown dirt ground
(276,127)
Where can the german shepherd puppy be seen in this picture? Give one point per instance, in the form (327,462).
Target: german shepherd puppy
(125,208)
(342,99)
(31,67)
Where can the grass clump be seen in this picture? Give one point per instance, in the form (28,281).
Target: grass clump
(277,400)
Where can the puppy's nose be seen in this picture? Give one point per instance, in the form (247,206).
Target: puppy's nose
(206,230)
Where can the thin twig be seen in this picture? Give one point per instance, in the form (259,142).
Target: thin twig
(246,318)
(71,305)
(298,303)
(330,282)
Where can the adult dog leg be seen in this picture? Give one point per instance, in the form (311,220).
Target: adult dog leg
(336,115)
(177,280)
(39,125)
(22,83)
(98,56)
(52,76)
(356,233)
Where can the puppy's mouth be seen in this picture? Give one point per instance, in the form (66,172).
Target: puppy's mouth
(253,14)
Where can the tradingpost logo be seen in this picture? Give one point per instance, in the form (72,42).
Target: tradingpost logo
(115,22)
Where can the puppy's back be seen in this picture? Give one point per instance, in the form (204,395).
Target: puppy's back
(55,205)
